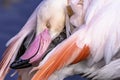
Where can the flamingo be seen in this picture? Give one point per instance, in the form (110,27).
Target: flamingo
(44,25)
(95,45)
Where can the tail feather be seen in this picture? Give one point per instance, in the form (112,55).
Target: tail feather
(4,64)
(9,55)
(2,75)
(64,55)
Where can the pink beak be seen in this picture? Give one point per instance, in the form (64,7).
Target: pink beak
(34,52)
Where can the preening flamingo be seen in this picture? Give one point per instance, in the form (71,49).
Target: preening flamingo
(44,25)
(94,44)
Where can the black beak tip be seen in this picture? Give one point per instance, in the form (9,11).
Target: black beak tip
(20,64)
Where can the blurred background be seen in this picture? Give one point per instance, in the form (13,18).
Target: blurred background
(13,15)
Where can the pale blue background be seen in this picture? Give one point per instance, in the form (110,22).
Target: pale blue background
(12,20)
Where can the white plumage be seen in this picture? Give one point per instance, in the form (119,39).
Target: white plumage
(101,31)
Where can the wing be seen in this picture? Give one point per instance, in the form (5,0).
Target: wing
(94,37)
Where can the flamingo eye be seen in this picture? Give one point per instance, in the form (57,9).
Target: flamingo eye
(48,25)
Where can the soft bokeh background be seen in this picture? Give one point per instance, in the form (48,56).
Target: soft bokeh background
(13,15)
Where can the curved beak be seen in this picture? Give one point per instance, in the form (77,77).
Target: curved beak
(34,52)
